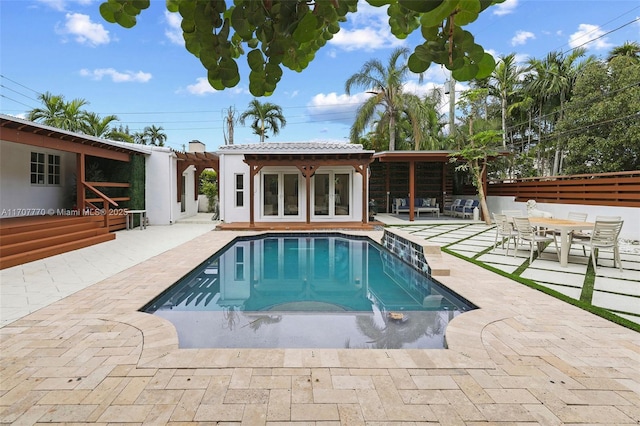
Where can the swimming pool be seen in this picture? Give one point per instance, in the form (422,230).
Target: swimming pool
(307,291)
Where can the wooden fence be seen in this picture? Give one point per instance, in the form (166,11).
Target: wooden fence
(621,189)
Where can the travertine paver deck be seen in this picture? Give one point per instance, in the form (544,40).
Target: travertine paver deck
(524,357)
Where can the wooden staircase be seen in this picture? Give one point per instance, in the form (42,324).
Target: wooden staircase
(26,239)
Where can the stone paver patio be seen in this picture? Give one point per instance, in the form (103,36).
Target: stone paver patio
(522,358)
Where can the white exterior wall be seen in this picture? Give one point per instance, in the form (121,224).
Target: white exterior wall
(630,215)
(161,196)
(16,190)
(231,164)
(191,205)
(160,187)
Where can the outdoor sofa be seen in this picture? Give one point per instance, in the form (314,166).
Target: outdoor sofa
(420,205)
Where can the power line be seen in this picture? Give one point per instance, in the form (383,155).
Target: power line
(603,35)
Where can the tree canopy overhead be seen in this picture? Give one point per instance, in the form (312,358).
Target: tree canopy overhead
(288,33)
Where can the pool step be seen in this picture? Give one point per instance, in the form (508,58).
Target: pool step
(27,239)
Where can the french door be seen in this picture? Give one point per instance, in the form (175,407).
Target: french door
(331,194)
(280,194)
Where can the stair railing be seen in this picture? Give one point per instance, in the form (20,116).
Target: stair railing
(106,202)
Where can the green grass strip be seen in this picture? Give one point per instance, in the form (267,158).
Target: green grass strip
(603,313)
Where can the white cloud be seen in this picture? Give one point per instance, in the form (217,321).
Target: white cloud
(83,30)
(201,87)
(173,30)
(61,5)
(505,8)
(334,107)
(587,34)
(117,76)
(521,37)
(369,30)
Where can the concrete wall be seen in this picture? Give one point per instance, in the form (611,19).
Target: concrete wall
(630,215)
(191,203)
(17,192)
(160,186)
(230,165)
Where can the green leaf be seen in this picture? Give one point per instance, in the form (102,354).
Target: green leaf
(255,60)
(439,14)
(417,64)
(421,6)
(424,53)
(107,10)
(306,29)
(468,12)
(378,3)
(188,26)
(476,53)
(466,73)
(127,21)
(187,8)
(240,23)
(173,5)
(485,66)
(253,43)
(142,4)
(256,84)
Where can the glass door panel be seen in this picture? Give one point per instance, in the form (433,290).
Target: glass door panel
(342,195)
(270,191)
(321,195)
(290,190)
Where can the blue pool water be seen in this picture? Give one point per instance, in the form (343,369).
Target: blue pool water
(307,291)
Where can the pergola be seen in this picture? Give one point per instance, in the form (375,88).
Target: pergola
(307,164)
(411,158)
(201,161)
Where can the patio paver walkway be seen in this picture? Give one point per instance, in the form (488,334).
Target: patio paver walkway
(523,357)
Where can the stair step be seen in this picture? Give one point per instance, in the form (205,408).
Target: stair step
(16,226)
(39,243)
(41,253)
(32,235)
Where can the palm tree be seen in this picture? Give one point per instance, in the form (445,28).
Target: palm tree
(95,125)
(56,112)
(50,113)
(154,135)
(556,75)
(628,48)
(426,121)
(385,84)
(266,117)
(503,84)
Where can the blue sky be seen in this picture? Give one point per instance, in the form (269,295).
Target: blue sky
(145,76)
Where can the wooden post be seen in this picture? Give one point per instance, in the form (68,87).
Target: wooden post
(412,189)
(365,203)
(80,179)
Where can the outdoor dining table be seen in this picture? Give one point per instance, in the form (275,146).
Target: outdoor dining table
(565,227)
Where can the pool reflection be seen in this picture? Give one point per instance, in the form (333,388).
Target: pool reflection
(303,291)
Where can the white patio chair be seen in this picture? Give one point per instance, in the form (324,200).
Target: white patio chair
(526,232)
(510,214)
(577,217)
(604,235)
(504,229)
(586,236)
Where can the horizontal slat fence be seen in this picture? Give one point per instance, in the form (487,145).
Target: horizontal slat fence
(605,189)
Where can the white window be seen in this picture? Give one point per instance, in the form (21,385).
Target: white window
(239,264)
(53,169)
(37,168)
(45,169)
(239,190)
